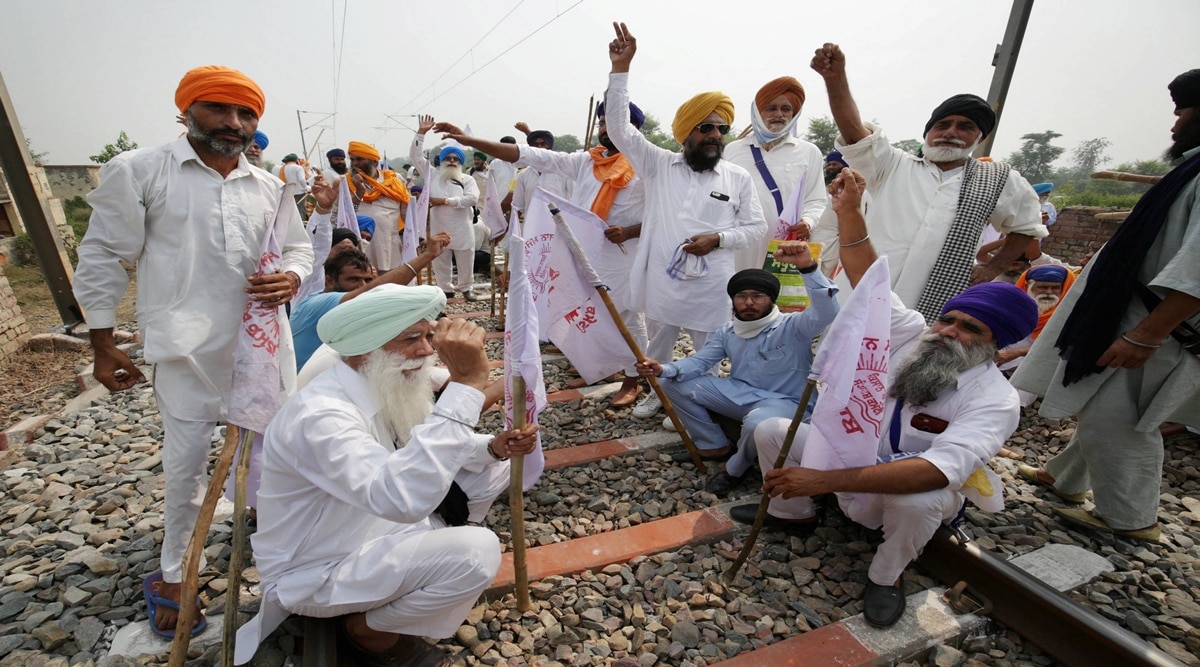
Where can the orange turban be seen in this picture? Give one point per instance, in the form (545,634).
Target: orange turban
(693,112)
(213,83)
(363,150)
(784,85)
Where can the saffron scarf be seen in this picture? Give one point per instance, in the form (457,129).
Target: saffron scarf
(1043,318)
(614,172)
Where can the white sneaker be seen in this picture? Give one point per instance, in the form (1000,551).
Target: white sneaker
(648,406)
(668,424)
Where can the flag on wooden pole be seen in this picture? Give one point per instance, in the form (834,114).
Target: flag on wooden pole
(523,357)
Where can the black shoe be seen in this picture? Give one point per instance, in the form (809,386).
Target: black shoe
(883,605)
(722,483)
(748,512)
(686,457)
(449,295)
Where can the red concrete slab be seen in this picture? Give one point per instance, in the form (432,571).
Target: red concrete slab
(593,451)
(598,551)
(564,396)
(829,646)
(492,335)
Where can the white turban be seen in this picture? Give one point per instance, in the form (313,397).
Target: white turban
(377,316)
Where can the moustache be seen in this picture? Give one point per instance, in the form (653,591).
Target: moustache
(950,142)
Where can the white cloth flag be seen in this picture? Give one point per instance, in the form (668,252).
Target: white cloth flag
(346,217)
(415,223)
(852,369)
(493,215)
(320,231)
(523,357)
(570,312)
(258,385)
(791,212)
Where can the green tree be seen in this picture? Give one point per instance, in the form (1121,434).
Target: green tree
(909,145)
(35,156)
(822,131)
(112,150)
(1036,157)
(652,129)
(567,143)
(1088,155)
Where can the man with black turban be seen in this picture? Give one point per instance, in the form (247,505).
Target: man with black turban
(1120,352)
(699,209)
(928,213)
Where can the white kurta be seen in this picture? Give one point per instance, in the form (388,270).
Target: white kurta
(681,203)
(384,248)
(913,209)
(504,173)
(531,178)
(455,217)
(793,163)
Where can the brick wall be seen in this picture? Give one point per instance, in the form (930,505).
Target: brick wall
(1078,232)
(14,331)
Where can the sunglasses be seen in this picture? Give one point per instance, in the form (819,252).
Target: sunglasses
(705,128)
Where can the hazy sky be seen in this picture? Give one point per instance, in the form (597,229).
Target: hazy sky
(80,71)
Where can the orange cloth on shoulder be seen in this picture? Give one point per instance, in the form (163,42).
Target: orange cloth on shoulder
(693,112)
(1043,318)
(614,172)
(389,186)
(784,85)
(213,83)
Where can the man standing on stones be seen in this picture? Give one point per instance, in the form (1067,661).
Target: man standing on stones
(381,195)
(192,215)
(948,413)
(699,208)
(452,196)
(779,163)
(928,213)
(368,483)
(1127,338)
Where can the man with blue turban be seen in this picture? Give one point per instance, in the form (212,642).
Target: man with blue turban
(255,148)
(453,195)
(946,412)
(368,483)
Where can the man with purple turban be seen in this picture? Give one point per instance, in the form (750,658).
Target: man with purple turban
(699,209)
(948,412)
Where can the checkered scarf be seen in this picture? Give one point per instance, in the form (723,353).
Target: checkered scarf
(981,186)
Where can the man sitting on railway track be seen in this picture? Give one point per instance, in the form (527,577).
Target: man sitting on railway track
(367,483)
(949,410)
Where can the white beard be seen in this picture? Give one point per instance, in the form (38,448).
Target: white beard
(401,390)
(932,368)
(947,152)
(1045,302)
(449,173)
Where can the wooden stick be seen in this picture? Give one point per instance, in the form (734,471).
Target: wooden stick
(582,261)
(1115,215)
(492,268)
(591,123)
(516,501)
(237,554)
(191,558)
(762,504)
(1126,176)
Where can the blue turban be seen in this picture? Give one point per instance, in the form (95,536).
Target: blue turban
(1042,188)
(635,115)
(541,134)
(1047,273)
(455,151)
(378,315)
(1010,313)
(835,156)
(260,138)
(366,224)
(335,152)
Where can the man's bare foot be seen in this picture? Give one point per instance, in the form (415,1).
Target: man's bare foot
(371,641)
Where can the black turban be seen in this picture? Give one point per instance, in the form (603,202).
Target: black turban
(1185,89)
(755,279)
(341,234)
(971,106)
(541,134)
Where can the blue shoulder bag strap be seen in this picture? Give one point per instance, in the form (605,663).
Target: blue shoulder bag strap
(767,178)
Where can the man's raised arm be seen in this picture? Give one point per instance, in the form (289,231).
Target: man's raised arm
(830,63)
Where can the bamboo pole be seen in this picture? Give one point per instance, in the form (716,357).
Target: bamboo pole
(191,558)
(516,501)
(591,123)
(237,554)
(582,261)
(762,504)
(1127,177)
(1115,215)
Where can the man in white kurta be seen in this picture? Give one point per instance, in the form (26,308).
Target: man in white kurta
(368,484)
(452,194)
(532,177)
(699,209)
(381,195)
(916,199)
(792,163)
(192,215)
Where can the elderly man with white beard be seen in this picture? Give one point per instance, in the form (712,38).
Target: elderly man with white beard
(928,213)
(452,195)
(948,413)
(367,483)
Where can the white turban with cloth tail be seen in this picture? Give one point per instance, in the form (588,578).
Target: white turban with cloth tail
(377,316)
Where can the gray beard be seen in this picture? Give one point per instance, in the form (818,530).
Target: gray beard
(401,390)
(931,368)
(937,154)
(255,160)
(225,148)
(1045,302)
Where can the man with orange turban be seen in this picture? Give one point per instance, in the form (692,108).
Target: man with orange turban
(783,166)
(382,195)
(192,215)
(699,209)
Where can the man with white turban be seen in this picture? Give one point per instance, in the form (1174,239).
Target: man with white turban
(368,483)
(452,197)
(192,214)
(779,163)
(699,209)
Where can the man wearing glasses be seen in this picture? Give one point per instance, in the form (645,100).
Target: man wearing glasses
(699,208)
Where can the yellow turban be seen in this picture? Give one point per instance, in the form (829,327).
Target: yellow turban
(694,111)
(377,316)
(784,85)
(363,150)
(213,83)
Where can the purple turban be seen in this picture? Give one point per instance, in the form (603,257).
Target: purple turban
(541,134)
(835,156)
(636,116)
(1010,313)
(335,152)
(1047,273)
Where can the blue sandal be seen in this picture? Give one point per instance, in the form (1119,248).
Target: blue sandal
(153,602)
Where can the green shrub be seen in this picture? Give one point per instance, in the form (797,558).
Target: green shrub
(23,251)
(78,213)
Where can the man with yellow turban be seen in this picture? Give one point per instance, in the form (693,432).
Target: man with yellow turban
(369,482)
(699,209)
(780,164)
(452,198)
(380,194)
(192,215)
